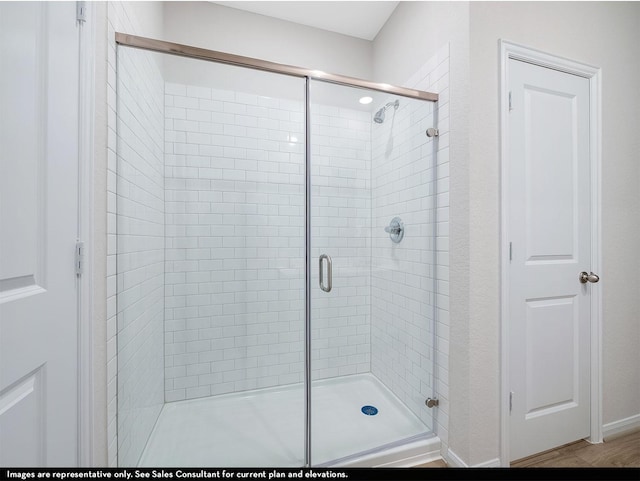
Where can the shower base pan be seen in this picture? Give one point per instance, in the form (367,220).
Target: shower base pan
(265,428)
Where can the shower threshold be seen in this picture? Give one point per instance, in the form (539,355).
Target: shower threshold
(265,428)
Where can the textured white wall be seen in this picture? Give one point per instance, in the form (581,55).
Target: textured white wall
(98,251)
(230,30)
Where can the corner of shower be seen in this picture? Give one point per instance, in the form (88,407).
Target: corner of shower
(237,189)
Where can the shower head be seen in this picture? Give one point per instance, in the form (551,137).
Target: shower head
(378,118)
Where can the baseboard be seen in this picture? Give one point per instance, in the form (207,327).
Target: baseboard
(492,463)
(621,427)
(610,430)
(454,461)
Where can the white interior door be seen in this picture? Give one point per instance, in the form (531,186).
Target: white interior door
(38,228)
(550,235)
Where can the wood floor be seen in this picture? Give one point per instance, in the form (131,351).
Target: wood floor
(619,452)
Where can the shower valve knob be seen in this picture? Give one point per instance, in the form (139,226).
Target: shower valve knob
(395,229)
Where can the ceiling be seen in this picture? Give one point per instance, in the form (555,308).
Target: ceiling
(359,19)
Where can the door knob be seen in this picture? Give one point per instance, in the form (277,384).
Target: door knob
(591,277)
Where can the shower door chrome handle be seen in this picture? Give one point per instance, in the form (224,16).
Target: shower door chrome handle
(326,288)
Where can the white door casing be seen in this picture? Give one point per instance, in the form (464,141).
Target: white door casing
(550,234)
(39,56)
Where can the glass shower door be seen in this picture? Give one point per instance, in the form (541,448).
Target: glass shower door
(372,291)
(208,196)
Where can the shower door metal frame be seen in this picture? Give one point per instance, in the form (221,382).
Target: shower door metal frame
(257,64)
(188,51)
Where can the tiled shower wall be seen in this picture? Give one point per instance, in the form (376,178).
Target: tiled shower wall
(235,241)
(402,273)
(340,228)
(408,182)
(434,76)
(139,204)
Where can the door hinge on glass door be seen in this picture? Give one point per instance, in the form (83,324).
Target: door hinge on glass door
(510,104)
(79,258)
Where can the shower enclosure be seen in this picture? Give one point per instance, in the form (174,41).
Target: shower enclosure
(275,259)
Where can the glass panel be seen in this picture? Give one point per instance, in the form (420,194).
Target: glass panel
(372,333)
(210,261)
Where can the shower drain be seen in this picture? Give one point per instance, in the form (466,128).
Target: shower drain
(369,410)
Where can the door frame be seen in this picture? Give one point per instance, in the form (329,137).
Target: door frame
(512,51)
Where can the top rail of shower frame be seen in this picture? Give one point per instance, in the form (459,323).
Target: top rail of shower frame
(249,62)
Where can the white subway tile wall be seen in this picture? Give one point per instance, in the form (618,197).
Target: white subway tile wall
(402,273)
(234,241)
(438,80)
(405,178)
(341,229)
(140,250)
(135,250)
(433,76)
(235,212)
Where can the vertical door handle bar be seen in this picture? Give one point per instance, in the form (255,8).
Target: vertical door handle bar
(326,288)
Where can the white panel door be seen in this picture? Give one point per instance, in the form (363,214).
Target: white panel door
(38,228)
(550,232)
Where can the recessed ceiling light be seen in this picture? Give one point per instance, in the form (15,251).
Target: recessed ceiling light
(365,100)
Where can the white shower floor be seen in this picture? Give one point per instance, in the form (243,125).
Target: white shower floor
(266,428)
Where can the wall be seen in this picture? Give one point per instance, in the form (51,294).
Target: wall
(604,34)
(137,398)
(235,240)
(340,228)
(407,169)
(140,252)
(97,253)
(215,27)
(416,34)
